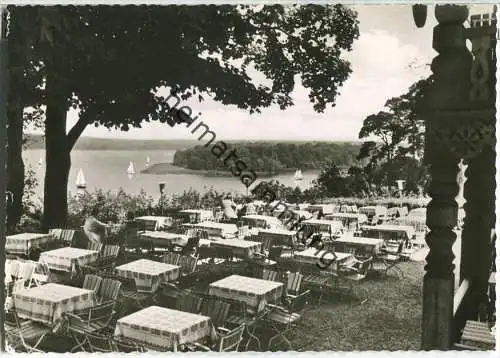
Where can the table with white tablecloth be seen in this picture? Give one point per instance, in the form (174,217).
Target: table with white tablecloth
(365,245)
(253,291)
(162,238)
(163,327)
(323,258)
(148,274)
(239,248)
(47,303)
(67,258)
(158,222)
(21,244)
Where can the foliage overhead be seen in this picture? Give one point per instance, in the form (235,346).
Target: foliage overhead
(108,61)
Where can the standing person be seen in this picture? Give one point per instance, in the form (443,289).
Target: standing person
(229,208)
(95,230)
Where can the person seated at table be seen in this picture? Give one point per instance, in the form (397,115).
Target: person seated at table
(95,230)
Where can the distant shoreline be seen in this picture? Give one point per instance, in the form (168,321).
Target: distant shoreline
(169,168)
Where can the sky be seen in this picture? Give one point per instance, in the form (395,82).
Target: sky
(381,59)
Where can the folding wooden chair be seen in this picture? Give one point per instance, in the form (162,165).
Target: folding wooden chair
(171,258)
(94,246)
(217,310)
(269,275)
(92,321)
(109,290)
(391,257)
(67,237)
(189,273)
(227,342)
(20,335)
(293,284)
(356,272)
(189,303)
(92,282)
(41,274)
(285,318)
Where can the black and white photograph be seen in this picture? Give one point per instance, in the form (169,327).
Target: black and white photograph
(235,177)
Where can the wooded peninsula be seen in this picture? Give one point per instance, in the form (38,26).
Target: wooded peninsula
(268,157)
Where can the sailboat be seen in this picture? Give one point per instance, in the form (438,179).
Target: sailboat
(298,175)
(148,160)
(40,161)
(80,181)
(130,170)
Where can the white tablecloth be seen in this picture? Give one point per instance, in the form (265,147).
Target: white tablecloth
(240,248)
(48,302)
(313,256)
(246,289)
(66,258)
(22,243)
(163,327)
(148,274)
(164,238)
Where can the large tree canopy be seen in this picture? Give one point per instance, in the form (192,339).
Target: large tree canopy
(399,135)
(109,62)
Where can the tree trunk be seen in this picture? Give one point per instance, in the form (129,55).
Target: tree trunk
(58,160)
(15,166)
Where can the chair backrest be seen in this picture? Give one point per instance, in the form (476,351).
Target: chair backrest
(171,258)
(230,342)
(203,234)
(67,236)
(110,251)
(365,266)
(294,281)
(41,273)
(216,310)
(94,246)
(189,303)
(193,242)
(300,301)
(109,289)
(188,263)
(92,282)
(275,252)
(267,243)
(269,275)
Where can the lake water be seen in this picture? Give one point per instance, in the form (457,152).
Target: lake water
(107,170)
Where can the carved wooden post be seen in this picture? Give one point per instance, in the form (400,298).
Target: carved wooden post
(446,96)
(480,186)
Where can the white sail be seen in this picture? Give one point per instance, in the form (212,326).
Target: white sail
(131,169)
(80,179)
(148,160)
(40,162)
(298,175)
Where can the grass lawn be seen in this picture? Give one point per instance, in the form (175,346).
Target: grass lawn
(389,320)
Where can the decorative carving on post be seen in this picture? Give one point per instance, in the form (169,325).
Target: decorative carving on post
(447,96)
(480,187)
